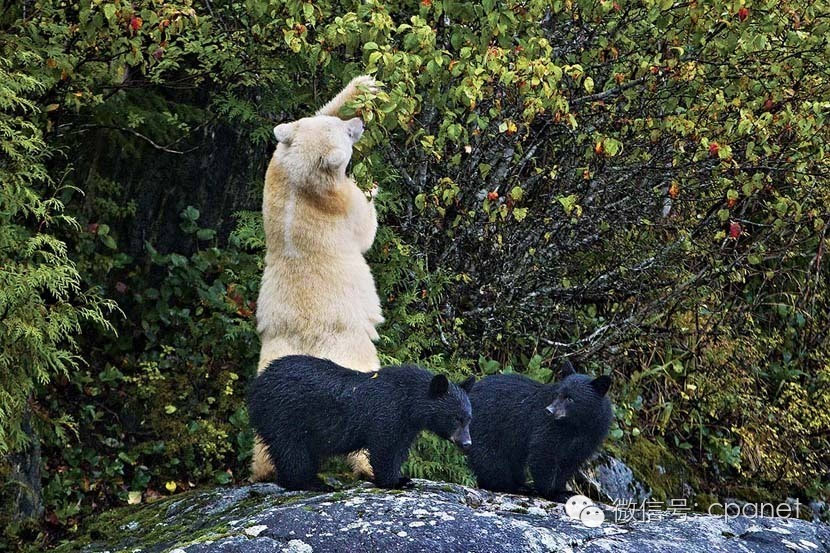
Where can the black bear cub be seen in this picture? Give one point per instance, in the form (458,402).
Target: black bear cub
(552,429)
(306,409)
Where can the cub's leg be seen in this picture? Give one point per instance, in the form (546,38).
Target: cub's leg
(496,473)
(296,468)
(548,477)
(387,464)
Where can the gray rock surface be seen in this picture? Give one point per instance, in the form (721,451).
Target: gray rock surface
(612,480)
(431,517)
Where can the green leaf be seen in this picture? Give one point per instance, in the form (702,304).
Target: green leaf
(588,83)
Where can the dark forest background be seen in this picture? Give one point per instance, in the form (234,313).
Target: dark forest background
(641,187)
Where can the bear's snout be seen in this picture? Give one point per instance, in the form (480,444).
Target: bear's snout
(461,438)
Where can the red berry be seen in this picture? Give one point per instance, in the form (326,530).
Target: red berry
(734,230)
(136,23)
(713,149)
(493,196)
(743,13)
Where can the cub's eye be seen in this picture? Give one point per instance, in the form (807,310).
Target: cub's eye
(569,399)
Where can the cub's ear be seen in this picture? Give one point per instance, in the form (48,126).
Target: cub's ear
(438,386)
(284,133)
(601,384)
(566,369)
(467,385)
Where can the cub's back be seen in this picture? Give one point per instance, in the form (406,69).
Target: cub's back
(298,384)
(502,408)
(503,388)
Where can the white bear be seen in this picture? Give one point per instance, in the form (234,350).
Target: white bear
(317,295)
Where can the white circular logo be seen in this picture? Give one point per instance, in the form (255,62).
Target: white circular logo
(579,507)
(592,516)
(575,504)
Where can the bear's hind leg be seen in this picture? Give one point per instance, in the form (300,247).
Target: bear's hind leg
(359,461)
(261,466)
(296,468)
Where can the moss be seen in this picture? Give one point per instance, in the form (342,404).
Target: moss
(191,521)
(703,501)
(665,473)
(752,494)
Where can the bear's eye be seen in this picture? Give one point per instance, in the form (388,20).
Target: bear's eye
(569,399)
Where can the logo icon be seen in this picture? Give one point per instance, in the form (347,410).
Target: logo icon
(581,508)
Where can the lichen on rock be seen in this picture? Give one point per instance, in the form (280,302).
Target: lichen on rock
(430,516)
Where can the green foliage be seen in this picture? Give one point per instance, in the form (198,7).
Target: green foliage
(41,300)
(162,406)
(639,186)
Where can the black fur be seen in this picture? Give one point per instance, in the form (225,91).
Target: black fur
(516,425)
(306,409)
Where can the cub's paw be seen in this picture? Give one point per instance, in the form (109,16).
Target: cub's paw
(401,482)
(559,496)
(319,486)
(404,482)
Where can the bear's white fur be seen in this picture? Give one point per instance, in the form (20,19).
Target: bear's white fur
(317,295)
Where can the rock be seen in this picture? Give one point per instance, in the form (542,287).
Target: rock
(819,511)
(612,480)
(431,516)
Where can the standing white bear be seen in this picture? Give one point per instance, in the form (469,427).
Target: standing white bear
(317,295)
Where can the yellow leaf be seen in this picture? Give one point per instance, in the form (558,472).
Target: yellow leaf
(170,486)
(134,498)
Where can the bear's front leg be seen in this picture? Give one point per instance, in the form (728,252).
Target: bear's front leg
(545,470)
(363,219)
(387,466)
(358,85)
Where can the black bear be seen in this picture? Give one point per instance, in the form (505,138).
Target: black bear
(551,429)
(306,409)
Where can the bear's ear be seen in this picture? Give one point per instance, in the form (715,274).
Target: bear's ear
(566,369)
(438,386)
(284,133)
(467,385)
(601,384)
